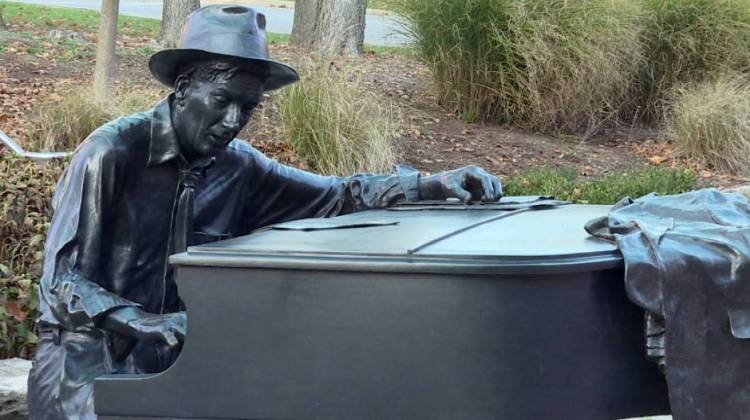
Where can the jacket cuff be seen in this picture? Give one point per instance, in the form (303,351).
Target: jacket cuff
(409,179)
(94,300)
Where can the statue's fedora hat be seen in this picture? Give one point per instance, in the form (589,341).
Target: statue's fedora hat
(221,31)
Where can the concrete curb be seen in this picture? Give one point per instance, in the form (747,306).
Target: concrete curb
(13,377)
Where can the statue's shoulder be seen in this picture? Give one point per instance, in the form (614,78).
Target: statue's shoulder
(125,129)
(240,150)
(241,147)
(117,140)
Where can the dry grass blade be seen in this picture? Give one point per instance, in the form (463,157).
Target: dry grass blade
(548,65)
(689,41)
(711,123)
(335,125)
(62,122)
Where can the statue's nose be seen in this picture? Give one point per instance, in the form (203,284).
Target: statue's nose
(231,120)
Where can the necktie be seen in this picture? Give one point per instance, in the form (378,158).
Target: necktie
(189,177)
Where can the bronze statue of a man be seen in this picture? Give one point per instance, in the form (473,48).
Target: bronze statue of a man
(148,185)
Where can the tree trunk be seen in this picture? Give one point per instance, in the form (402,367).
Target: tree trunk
(106,60)
(2,22)
(330,26)
(173,17)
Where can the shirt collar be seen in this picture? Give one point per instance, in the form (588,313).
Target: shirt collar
(164,145)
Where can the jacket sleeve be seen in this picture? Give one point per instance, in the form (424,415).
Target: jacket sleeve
(70,289)
(281,193)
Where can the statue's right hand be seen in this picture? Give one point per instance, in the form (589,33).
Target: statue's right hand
(135,323)
(160,328)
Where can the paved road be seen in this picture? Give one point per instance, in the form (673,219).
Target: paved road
(379,30)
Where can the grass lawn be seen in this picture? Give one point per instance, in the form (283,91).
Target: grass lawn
(380,4)
(79,20)
(371,4)
(82,20)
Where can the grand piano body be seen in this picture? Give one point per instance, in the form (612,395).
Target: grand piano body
(418,312)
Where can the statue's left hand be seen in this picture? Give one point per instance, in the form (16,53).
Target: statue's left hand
(470,183)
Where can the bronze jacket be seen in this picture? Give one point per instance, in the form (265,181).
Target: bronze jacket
(687,263)
(114,207)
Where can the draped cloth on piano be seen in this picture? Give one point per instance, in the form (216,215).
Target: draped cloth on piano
(112,233)
(687,263)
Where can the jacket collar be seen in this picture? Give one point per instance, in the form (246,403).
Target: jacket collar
(163,145)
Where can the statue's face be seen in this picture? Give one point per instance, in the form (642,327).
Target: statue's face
(207,115)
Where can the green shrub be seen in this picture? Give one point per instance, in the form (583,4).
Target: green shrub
(637,183)
(564,185)
(711,123)
(25,210)
(689,41)
(335,125)
(559,183)
(547,65)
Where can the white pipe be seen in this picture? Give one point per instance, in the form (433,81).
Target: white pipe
(35,156)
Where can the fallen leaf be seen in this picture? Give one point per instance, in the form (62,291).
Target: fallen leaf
(656,160)
(14,309)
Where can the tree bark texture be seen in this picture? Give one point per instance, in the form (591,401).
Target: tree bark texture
(330,26)
(2,22)
(106,59)
(173,17)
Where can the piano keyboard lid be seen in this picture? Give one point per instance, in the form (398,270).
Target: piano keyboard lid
(517,233)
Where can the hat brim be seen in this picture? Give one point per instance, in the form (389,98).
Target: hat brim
(165,64)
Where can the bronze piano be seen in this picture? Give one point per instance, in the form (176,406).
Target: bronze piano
(419,312)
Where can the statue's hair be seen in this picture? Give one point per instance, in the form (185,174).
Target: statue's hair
(213,70)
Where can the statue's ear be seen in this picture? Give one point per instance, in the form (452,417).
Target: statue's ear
(181,86)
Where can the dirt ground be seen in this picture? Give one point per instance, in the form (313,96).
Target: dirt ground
(430,139)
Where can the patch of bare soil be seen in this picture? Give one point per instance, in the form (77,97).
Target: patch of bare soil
(430,139)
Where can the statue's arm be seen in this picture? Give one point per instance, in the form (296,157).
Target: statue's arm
(278,193)
(71,286)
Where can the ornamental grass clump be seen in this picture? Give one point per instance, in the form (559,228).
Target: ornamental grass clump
(335,125)
(711,123)
(547,65)
(62,122)
(67,118)
(689,41)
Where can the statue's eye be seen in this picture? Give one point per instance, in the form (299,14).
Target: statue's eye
(220,100)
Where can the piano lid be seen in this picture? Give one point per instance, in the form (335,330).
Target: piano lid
(511,233)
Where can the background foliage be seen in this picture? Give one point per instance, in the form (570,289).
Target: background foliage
(575,65)
(549,65)
(25,207)
(62,121)
(711,122)
(335,125)
(689,42)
